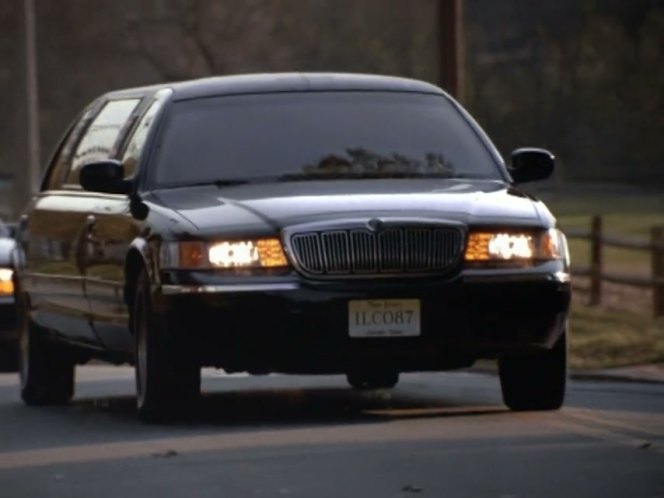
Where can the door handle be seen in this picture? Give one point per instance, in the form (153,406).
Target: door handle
(90,229)
(90,221)
(94,246)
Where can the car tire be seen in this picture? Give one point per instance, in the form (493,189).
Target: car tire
(378,379)
(535,382)
(167,383)
(46,370)
(9,356)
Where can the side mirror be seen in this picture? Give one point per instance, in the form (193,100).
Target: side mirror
(530,164)
(104,176)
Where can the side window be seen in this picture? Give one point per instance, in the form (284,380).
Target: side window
(132,154)
(61,159)
(101,136)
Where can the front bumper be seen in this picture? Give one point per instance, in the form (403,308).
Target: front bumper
(289,324)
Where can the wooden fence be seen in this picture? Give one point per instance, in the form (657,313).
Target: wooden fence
(597,274)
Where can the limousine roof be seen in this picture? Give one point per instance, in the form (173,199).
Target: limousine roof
(282,82)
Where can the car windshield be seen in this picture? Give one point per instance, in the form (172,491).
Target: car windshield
(318,135)
(4,231)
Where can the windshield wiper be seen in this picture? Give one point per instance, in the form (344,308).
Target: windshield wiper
(231,182)
(294,177)
(218,183)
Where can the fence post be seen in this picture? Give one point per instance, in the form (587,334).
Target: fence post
(596,261)
(657,240)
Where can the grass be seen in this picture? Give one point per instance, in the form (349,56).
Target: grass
(632,225)
(603,202)
(601,338)
(630,214)
(605,337)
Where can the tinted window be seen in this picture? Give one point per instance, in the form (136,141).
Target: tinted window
(102,135)
(134,149)
(61,159)
(318,134)
(4,231)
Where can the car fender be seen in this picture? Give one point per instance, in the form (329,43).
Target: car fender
(139,255)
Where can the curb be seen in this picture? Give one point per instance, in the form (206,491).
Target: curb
(644,374)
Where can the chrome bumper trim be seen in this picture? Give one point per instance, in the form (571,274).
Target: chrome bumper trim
(226,289)
(560,277)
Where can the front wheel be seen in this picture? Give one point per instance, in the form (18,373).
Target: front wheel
(8,356)
(167,380)
(46,370)
(535,382)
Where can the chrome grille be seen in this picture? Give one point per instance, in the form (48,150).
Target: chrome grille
(393,250)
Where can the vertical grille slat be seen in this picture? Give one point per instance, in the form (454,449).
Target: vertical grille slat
(309,254)
(418,249)
(391,251)
(363,251)
(336,251)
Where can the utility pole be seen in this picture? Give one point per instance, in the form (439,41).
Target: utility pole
(451,49)
(32,100)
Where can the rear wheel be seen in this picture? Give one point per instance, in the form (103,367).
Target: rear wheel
(535,382)
(375,379)
(167,380)
(46,370)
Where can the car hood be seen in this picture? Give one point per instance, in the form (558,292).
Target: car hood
(272,206)
(6,248)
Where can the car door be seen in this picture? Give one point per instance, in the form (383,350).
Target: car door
(114,230)
(49,235)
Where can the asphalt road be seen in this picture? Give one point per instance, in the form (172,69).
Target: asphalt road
(436,435)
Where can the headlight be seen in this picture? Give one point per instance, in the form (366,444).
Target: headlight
(516,247)
(260,253)
(6,282)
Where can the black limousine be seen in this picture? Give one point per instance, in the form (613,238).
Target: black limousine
(294,223)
